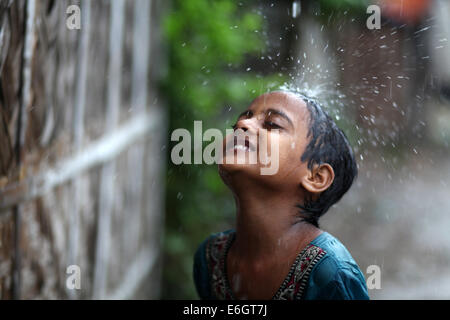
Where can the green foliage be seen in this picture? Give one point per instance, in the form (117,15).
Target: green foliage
(205,38)
(208,44)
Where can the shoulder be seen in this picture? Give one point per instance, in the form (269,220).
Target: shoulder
(336,282)
(336,275)
(206,257)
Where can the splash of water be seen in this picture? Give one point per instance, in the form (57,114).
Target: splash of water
(330,98)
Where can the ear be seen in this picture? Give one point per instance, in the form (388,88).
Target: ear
(318,179)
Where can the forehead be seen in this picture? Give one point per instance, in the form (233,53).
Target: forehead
(291,104)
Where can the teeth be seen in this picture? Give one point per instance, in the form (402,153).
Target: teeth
(240,147)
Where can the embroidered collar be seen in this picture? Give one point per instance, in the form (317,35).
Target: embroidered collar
(293,285)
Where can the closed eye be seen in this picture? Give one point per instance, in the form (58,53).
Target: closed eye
(271,125)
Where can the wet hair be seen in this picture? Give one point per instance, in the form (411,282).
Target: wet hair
(328,144)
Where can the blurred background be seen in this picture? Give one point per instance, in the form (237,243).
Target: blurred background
(86,117)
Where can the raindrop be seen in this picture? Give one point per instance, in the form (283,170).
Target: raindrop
(423,29)
(180,196)
(296,9)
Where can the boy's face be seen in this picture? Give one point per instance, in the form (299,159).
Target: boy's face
(286,113)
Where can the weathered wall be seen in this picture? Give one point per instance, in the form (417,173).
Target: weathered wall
(81,134)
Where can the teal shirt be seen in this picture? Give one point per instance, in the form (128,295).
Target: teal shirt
(335,276)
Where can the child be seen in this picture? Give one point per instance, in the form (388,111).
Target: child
(277,250)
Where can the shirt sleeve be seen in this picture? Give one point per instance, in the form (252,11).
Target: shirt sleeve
(201,272)
(344,282)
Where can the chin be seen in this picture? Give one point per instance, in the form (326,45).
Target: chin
(233,169)
(234,175)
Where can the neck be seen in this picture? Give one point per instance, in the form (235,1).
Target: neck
(267,225)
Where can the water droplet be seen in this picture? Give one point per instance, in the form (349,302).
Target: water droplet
(296,9)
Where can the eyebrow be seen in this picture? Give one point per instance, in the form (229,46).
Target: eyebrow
(245,113)
(281,114)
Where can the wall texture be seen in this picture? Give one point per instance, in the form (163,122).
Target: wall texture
(81,149)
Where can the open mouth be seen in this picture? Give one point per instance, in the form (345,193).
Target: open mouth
(237,144)
(243,145)
(239,147)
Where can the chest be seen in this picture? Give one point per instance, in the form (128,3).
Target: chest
(258,282)
(283,281)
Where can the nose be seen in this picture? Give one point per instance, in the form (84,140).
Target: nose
(246,125)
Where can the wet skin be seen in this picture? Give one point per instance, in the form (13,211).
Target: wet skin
(269,230)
